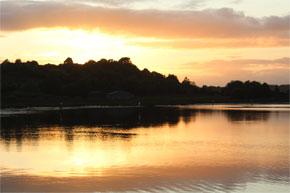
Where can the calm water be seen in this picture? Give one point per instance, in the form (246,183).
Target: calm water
(221,148)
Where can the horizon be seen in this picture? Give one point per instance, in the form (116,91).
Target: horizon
(210,43)
(166,75)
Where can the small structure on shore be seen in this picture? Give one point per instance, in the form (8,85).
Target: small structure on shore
(120,95)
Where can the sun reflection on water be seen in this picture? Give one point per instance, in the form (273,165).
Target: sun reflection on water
(215,146)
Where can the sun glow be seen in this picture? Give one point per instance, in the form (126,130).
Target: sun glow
(54,45)
(152,147)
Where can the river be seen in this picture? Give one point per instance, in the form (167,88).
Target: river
(194,148)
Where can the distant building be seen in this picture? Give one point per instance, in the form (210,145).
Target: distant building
(120,95)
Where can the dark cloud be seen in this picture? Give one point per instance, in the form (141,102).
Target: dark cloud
(210,23)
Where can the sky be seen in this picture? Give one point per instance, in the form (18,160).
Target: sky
(209,41)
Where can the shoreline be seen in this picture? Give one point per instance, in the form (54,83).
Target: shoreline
(61,101)
(216,106)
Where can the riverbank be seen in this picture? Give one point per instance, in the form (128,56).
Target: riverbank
(52,101)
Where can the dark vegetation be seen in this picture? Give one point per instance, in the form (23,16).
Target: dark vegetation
(31,84)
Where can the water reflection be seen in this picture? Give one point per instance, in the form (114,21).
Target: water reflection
(146,149)
(235,116)
(124,118)
(28,126)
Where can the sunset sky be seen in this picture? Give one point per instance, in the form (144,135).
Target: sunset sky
(210,41)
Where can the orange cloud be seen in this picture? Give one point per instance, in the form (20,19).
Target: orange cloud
(220,72)
(211,23)
(213,43)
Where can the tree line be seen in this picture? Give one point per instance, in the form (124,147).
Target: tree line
(71,79)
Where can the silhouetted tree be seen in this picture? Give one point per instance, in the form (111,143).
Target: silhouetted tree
(18,61)
(68,61)
(238,89)
(186,82)
(125,60)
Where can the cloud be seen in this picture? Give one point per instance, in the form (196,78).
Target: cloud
(220,72)
(189,4)
(109,3)
(236,1)
(205,43)
(211,23)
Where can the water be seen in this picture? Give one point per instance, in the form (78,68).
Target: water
(202,148)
